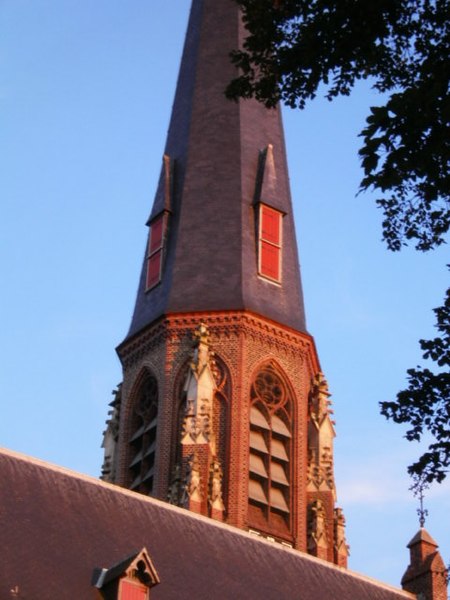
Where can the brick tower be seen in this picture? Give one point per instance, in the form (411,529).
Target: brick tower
(223,408)
(426,574)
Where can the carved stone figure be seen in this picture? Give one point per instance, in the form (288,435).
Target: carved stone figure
(319,398)
(216,476)
(173,495)
(192,485)
(340,541)
(316,525)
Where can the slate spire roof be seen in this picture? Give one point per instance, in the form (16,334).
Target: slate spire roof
(220,157)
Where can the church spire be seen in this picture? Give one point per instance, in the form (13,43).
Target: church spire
(221,229)
(223,409)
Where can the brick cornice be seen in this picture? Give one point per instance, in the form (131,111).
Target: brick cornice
(220,323)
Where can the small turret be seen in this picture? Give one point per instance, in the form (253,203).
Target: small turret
(426,574)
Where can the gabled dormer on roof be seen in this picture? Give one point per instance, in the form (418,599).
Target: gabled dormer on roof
(130,579)
(159,225)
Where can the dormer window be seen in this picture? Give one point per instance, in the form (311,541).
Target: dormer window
(156,241)
(131,579)
(270,240)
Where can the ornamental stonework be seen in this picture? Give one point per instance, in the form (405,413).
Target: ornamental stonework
(320,436)
(240,344)
(111,438)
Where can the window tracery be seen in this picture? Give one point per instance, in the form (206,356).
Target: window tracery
(143,438)
(270,450)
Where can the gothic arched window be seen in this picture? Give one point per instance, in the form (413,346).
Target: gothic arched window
(270,452)
(143,437)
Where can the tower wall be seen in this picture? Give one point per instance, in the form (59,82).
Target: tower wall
(242,343)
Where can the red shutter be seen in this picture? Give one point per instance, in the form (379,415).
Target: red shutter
(155,251)
(270,261)
(270,225)
(132,591)
(154,269)
(270,243)
(156,234)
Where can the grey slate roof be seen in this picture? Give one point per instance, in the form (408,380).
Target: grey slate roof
(211,258)
(58,526)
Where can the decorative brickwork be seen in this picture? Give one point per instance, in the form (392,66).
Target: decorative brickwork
(213,370)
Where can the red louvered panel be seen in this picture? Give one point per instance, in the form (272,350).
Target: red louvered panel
(270,225)
(270,261)
(156,234)
(132,591)
(154,269)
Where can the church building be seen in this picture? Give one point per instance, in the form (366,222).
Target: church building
(218,478)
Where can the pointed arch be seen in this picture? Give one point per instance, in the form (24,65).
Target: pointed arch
(270,449)
(142,430)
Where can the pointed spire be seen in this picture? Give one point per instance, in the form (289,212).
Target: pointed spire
(220,157)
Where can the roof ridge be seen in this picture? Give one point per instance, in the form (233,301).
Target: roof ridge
(190,515)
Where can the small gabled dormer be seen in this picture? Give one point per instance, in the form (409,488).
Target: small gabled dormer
(269,219)
(131,579)
(158,224)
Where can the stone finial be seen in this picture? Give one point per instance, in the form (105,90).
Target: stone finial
(201,334)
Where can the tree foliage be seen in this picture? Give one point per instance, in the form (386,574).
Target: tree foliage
(402,47)
(295,47)
(425,405)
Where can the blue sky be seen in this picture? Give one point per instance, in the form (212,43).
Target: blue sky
(86,90)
